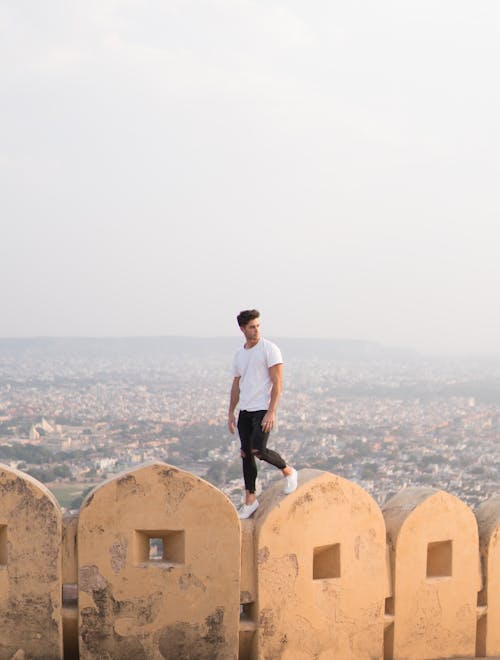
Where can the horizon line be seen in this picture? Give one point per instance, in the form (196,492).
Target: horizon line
(396,347)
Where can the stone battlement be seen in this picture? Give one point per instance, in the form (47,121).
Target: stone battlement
(157,565)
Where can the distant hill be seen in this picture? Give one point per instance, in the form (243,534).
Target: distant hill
(150,347)
(341,349)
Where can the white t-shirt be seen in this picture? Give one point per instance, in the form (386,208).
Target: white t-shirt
(252,367)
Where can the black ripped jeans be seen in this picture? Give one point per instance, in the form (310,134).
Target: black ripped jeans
(254,444)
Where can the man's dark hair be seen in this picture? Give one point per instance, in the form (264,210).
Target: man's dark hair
(246,316)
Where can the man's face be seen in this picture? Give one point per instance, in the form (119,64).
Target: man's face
(251,331)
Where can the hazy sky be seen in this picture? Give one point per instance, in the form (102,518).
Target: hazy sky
(165,164)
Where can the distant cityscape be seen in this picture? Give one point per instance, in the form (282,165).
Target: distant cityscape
(76,412)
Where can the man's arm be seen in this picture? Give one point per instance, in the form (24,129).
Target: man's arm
(233,402)
(276,375)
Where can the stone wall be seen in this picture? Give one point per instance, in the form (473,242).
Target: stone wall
(157,565)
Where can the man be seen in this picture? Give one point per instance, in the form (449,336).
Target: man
(257,384)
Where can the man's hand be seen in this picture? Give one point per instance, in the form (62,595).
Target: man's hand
(233,401)
(268,420)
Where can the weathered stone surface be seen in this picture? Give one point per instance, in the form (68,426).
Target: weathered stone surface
(30,568)
(184,604)
(321,571)
(433,542)
(488,518)
(315,572)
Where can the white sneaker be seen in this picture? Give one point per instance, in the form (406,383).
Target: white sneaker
(291,481)
(246,510)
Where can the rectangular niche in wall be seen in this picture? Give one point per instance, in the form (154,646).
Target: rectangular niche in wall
(326,562)
(439,559)
(159,546)
(3,545)
(248,612)
(70,595)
